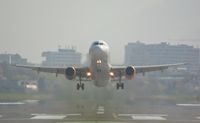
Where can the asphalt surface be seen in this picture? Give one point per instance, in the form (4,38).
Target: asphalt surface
(34,111)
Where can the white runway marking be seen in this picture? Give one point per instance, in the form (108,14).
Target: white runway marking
(93,122)
(73,114)
(100,110)
(31,101)
(101,107)
(57,114)
(48,116)
(145,116)
(51,116)
(195,105)
(161,115)
(12,103)
(125,115)
(148,117)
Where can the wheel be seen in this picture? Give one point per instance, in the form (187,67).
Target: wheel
(82,86)
(122,86)
(77,86)
(117,85)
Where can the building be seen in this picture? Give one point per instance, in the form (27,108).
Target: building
(149,54)
(12,58)
(62,57)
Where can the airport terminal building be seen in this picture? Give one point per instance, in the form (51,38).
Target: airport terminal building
(164,53)
(62,57)
(12,58)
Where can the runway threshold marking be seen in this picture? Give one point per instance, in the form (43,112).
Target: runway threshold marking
(189,105)
(145,116)
(148,118)
(52,116)
(78,114)
(48,117)
(162,115)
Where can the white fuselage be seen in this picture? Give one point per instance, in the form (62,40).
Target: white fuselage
(99,63)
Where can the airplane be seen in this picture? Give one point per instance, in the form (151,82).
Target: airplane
(99,70)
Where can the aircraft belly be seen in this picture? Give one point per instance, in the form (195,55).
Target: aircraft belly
(100,77)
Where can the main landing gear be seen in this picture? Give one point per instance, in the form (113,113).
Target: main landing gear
(80,85)
(120,84)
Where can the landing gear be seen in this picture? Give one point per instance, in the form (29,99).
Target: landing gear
(120,84)
(80,85)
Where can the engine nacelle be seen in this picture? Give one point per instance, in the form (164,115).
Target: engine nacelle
(70,73)
(130,72)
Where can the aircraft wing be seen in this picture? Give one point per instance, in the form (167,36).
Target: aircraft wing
(56,70)
(144,69)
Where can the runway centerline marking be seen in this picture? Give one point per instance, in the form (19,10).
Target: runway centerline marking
(100,110)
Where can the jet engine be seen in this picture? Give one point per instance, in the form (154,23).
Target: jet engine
(70,73)
(130,72)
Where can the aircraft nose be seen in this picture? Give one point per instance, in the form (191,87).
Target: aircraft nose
(96,49)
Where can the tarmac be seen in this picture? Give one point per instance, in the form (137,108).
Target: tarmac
(35,111)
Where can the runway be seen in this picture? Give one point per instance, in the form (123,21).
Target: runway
(33,111)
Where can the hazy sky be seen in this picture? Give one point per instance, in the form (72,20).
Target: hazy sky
(29,27)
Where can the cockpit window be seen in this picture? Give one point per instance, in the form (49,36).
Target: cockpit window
(98,43)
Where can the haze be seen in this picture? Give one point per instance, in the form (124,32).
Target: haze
(31,27)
